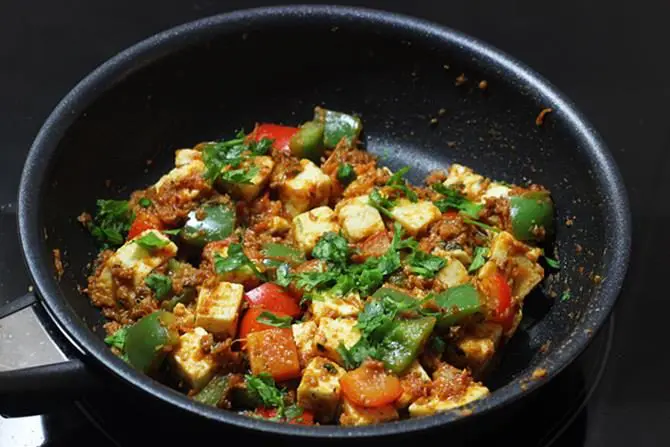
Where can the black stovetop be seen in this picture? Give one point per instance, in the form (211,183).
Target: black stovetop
(610,57)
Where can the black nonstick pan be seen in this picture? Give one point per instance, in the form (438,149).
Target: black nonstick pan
(428,96)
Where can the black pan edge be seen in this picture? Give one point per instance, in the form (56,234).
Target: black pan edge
(618,233)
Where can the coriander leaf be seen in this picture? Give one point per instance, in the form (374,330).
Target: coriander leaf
(455,200)
(566,295)
(174,232)
(553,263)
(354,356)
(160,284)
(112,222)
(333,248)
(478,261)
(311,280)
(283,275)
(117,339)
(263,388)
(151,241)
(396,181)
(235,260)
(241,176)
(346,173)
(425,264)
(274,320)
(381,203)
(293,413)
(481,225)
(144,202)
(261,147)
(216,156)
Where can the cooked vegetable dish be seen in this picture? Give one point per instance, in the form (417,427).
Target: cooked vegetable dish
(285,274)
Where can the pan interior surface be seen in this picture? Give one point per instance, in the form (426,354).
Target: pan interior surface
(118,131)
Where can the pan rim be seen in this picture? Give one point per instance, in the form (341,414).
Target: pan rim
(113,70)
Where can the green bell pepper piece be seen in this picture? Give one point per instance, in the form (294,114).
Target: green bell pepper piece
(218,223)
(529,212)
(402,344)
(146,340)
(395,295)
(457,303)
(283,253)
(337,125)
(214,391)
(187,296)
(308,141)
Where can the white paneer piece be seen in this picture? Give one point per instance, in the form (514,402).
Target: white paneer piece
(335,331)
(304,335)
(465,180)
(218,307)
(453,274)
(496,191)
(413,383)
(358,219)
(476,347)
(182,157)
(452,388)
(319,390)
(354,415)
(330,306)
(309,189)
(310,226)
(415,217)
(278,225)
(130,256)
(249,191)
(517,258)
(193,365)
(181,173)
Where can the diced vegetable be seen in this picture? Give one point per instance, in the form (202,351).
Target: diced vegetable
(250,321)
(457,303)
(214,392)
(370,386)
(143,222)
(273,351)
(283,253)
(281,135)
(337,125)
(210,223)
(187,296)
(496,289)
(274,298)
(532,215)
(308,141)
(404,342)
(304,418)
(149,340)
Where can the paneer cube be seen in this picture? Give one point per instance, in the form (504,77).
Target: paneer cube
(358,219)
(319,390)
(181,175)
(310,226)
(354,415)
(218,307)
(192,364)
(453,274)
(476,348)
(331,306)
(273,351)
(415,384)
(249,191)
(304,335)
(129,257)
(465,180)
(451,388)
(415,217)
(309,189)
(333,332)
(183,157)
(278,225)
(496,191)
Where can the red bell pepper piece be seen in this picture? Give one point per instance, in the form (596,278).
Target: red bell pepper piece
(306,418)
(497,289)
(273,298)
(280,134)
(143,222)
(251,324)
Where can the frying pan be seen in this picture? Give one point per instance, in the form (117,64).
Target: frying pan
(417,87)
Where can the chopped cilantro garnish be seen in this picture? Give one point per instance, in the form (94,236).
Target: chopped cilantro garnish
(283,275)
(235,260)
(274,320)
(553,263)
(479,259)
(263,388)
(455,200)
(480,225)
(151,241)
(398,182)
(117,339)
(566,295)
(346,173)
(381,203)
(333,248)
(160,284)
(144,202)
(424,264)
(232,153)
(111,223)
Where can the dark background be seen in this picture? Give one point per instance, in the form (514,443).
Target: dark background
(610,57)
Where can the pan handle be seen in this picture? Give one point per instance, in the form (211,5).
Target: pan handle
(36,375)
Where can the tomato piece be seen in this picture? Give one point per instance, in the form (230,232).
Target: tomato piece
(496,289)
(250,323)
(144,222)
(371,386)
(306,418)
(274,352)
(280,134)
(273,298)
